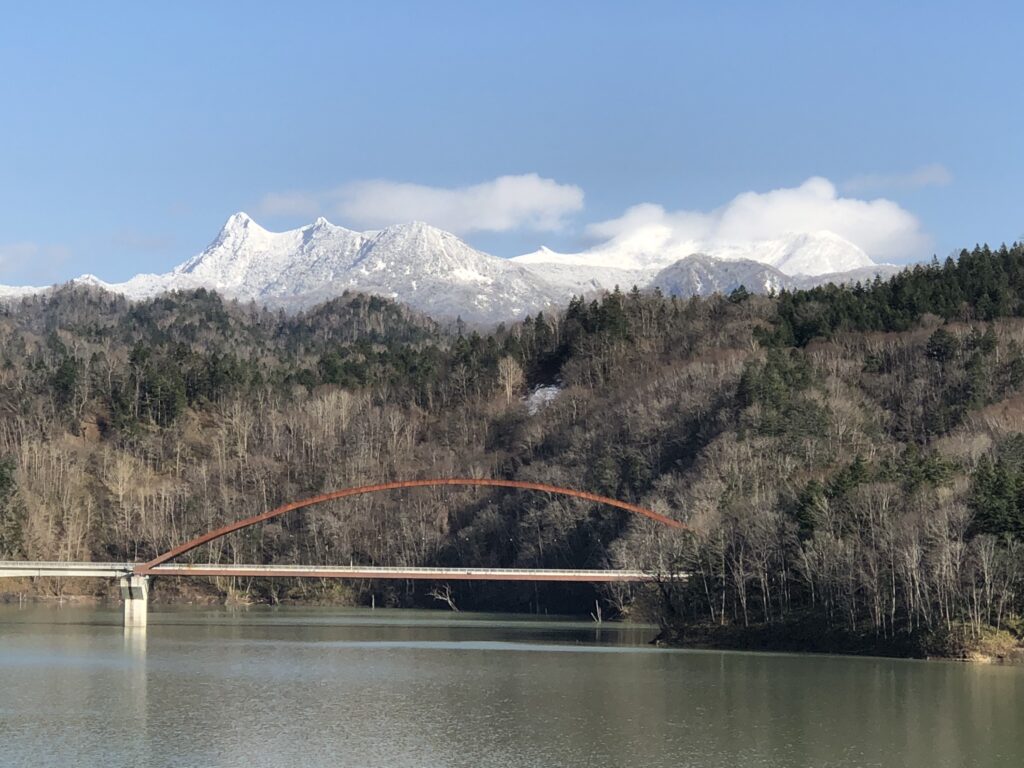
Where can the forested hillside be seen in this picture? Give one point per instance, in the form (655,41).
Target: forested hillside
(849,460)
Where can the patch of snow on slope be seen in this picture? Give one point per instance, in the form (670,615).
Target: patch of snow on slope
(541,398)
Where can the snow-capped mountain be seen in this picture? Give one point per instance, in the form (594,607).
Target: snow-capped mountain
(701,275)
(427,268)
(439,274)
(652,249)
(582,279)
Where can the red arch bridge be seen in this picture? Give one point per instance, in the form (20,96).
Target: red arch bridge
(135,577)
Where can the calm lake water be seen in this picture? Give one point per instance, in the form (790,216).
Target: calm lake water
(327,687)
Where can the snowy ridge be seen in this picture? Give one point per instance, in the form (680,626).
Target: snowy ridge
(425,267)
(437,273)
(701,275)
(652,249)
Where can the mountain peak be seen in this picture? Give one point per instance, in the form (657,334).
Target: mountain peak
(89,279)
(702,275)
(417,232)
(412,227)
(239,226)
(816,253)
(239,220)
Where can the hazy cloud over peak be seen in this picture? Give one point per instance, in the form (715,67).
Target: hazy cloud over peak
(880,227)
(300,204)
(932,175)
(28,262)
(524,202)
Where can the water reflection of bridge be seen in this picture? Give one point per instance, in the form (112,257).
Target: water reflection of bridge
(135,577)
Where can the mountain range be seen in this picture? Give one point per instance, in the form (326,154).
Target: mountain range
(437,273)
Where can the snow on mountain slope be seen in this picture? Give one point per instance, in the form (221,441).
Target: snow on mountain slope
(701,275)
(247,259)
(652,249)
(583,279)
(437,273)
(801,253)
(8,292)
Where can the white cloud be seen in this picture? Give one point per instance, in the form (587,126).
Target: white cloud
(290,204)
(506,203)
(933,175)
(132,240)
(17,253)
(32,262)
(884,230)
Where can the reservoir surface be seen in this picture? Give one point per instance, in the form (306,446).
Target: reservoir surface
(418,689)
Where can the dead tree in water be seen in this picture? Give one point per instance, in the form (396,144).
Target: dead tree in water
(443,593)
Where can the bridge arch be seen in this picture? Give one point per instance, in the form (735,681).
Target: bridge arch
(188,546)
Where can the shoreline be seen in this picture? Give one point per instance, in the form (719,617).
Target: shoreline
(805,638)
(802,638)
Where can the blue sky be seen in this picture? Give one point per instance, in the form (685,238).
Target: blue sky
(129,132)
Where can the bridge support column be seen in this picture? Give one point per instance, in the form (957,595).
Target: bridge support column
(135,591)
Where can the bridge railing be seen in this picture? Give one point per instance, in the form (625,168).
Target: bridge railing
(27,569)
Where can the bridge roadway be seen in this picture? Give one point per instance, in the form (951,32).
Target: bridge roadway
(24,569)
(31,568)
(134,578)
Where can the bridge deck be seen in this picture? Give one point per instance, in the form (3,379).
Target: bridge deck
(401,573)
(114,570)
(31,568)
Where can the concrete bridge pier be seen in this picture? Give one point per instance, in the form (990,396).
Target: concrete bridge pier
(135,591)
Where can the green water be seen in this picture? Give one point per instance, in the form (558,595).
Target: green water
(326,687)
